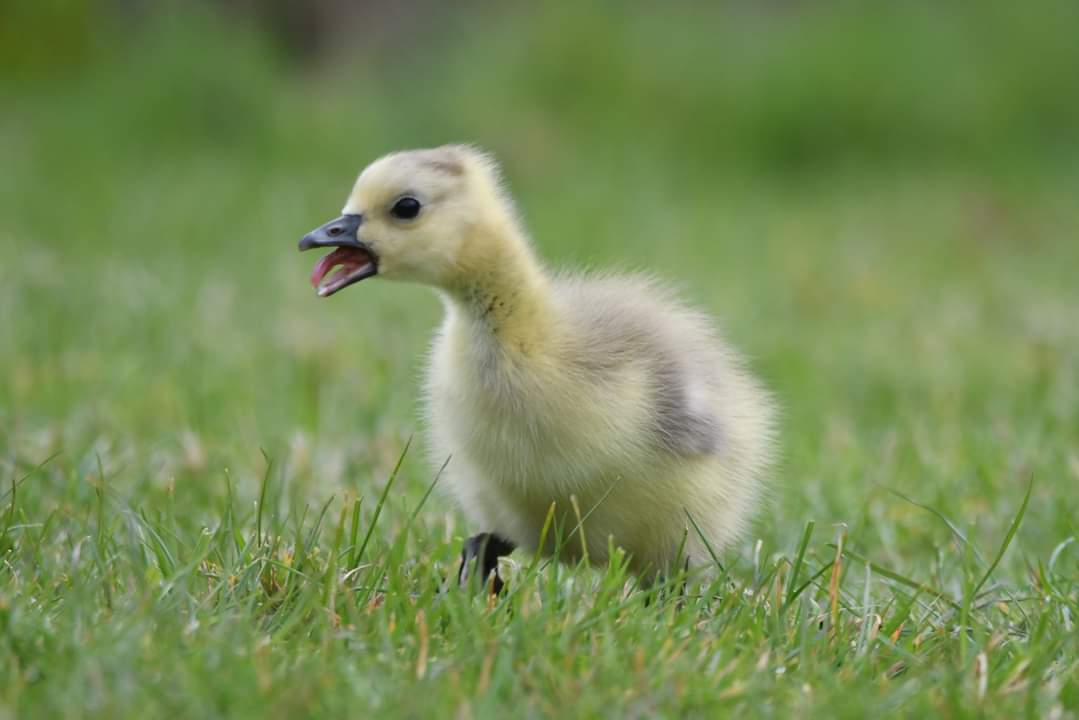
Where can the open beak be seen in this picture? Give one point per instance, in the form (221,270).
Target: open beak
(352,255)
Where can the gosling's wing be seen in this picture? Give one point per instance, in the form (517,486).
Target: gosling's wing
(629,326)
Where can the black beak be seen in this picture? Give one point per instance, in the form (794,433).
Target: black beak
(341,232)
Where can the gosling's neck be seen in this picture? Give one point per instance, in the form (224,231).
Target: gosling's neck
(501,294)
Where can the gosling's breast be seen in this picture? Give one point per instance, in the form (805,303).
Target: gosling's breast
(536,420)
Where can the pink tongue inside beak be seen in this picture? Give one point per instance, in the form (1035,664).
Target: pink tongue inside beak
(351,258)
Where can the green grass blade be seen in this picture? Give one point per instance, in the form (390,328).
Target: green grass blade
(1016,521)
(903,579)
(262,497)
(798,558)
(354,533)
(707,545)
(959,534)
(378,508)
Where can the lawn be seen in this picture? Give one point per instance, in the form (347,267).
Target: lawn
(215,498)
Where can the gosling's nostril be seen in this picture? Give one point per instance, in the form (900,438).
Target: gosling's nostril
(336,230)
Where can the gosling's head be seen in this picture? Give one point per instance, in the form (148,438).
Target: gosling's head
(411,216)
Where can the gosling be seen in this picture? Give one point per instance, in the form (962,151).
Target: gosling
(600,394)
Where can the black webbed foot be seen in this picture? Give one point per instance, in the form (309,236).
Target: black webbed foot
(483,551)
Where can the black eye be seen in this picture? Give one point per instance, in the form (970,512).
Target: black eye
(406,208)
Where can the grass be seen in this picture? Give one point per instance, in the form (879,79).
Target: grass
(211,506)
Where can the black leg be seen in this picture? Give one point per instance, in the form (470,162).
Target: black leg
(483,550)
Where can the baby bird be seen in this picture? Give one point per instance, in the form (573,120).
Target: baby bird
(601,394)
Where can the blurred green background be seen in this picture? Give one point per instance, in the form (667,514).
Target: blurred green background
(877,200)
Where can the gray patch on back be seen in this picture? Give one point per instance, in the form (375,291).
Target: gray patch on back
(678,427)
(622,331)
